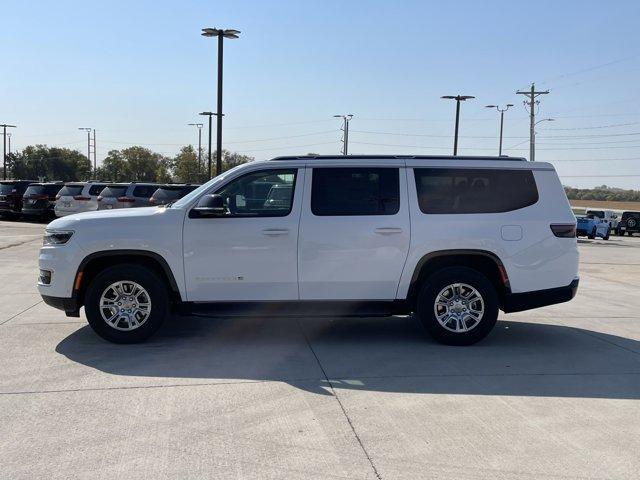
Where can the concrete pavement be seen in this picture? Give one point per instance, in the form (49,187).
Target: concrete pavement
(551,393)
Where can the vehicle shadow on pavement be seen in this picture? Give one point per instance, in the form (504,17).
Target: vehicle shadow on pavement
(374,354)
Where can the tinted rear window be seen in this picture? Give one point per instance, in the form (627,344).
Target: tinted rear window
(355,191)
(70,190)
(446,190)
(597,213)
(6,188)
(96,189)
(113,191)
(169,193)
(35,190)
(144,191)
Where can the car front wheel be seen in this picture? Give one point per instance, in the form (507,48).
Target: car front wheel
(126,303)
(457,306)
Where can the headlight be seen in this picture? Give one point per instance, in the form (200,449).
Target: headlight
(56,237)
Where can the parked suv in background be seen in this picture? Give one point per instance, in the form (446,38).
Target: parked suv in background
(169,193)
(592,226)
(126,195)
(11,192)
(629,223)
(39,199)
(77,197)
(449,239)
(609,216)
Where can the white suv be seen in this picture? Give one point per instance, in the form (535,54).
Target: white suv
(449,239)
(77,198)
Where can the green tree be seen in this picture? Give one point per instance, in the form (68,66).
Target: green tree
(185,166)
(135,164)
(49,163)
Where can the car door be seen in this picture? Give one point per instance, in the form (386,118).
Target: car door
(250,251)
(354,232)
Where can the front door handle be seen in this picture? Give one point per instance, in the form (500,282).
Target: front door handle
(387,230)
(275,231)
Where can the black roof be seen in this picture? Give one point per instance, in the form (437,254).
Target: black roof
(406,157)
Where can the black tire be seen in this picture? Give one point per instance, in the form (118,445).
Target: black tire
(146,278)
(431,288)
(592,235)
(606,237)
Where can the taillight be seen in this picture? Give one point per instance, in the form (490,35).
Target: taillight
(80,197)
(126,199)
(564,230)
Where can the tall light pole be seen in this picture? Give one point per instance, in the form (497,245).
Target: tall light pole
(501,110)
(4,148)
(199,127)
(458,99)
(221,34)
(9,142)
(532,150)
(95,154)
(345,129)
(88,130)
(210,114)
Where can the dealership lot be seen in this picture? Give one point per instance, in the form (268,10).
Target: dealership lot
(551,393)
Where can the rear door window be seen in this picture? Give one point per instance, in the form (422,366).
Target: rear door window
(447,190)
(7,188)
(355,191)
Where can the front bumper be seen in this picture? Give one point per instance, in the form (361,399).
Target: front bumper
(67,305)
(518,302)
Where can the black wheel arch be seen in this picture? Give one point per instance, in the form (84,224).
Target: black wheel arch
(487,263)
(95,262)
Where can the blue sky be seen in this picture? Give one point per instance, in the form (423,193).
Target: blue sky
(138,72)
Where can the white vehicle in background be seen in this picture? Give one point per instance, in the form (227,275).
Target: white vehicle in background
(450,239)
(609,216)
(78,197)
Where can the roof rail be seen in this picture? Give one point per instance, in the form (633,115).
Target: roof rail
(412,157)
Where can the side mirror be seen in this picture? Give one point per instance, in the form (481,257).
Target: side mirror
(210,206)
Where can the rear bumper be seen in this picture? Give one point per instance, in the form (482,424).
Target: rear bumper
(67,305)
(518,302)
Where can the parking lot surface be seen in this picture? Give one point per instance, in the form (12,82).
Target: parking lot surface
(551,393)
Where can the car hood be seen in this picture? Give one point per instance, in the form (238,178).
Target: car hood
(110,218)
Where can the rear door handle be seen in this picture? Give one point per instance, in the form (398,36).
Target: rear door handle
(387,230)
(275,231)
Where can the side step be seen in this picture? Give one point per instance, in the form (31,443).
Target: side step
(307,308)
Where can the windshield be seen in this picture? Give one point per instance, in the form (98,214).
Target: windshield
(7,188)
(200,190)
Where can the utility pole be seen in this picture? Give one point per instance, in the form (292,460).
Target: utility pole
(4,148)
(458,99)
(532,102)
(345,129)
(9,148)
(501,110)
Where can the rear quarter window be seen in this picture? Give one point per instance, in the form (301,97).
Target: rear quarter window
(448,190)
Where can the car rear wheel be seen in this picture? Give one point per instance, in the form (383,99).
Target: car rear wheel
(607,235)
(457,306)
(592,235)
(126,303)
